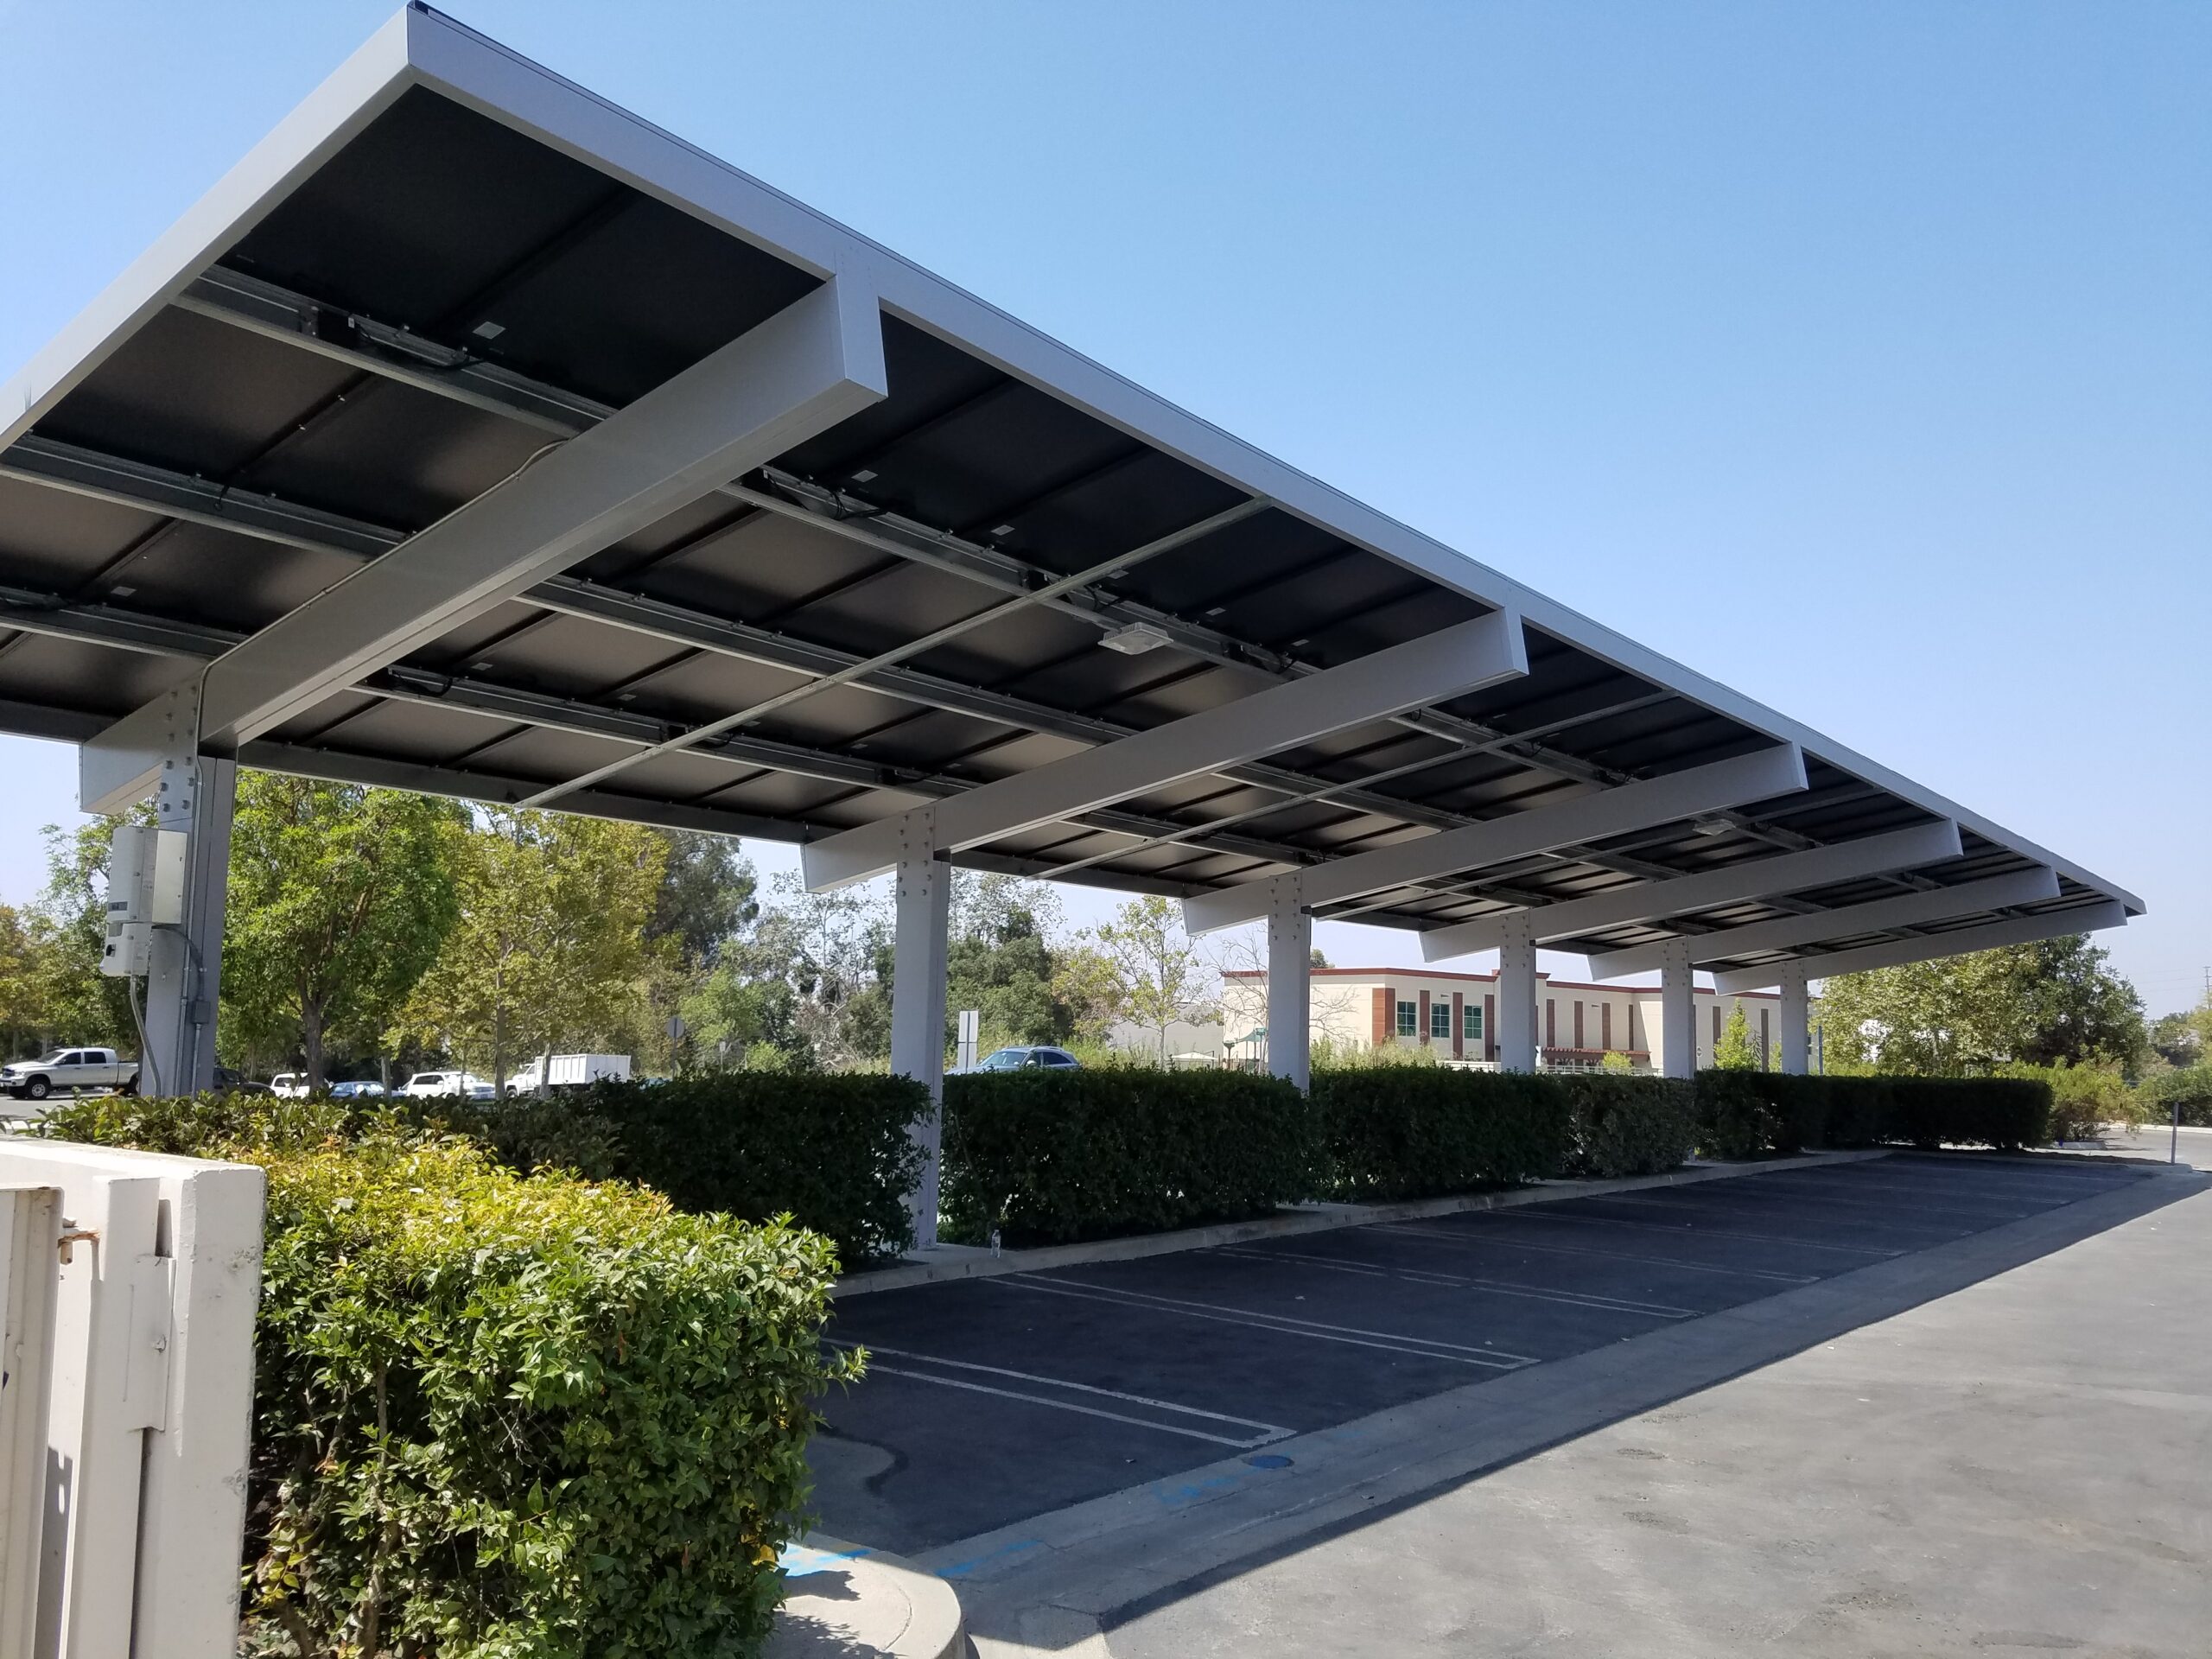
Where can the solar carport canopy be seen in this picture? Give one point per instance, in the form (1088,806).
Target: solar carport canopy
(476,437)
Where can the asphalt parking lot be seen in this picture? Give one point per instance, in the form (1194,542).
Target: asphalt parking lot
(990,1400)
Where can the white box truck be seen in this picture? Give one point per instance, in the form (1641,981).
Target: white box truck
(569,1071)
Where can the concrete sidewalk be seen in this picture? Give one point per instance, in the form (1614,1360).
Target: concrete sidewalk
(1993,1445)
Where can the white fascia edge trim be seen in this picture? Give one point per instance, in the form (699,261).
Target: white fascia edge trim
(2028,930)
(362,88)
(2036,886)
(420,47)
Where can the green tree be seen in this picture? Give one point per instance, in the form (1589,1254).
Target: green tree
(339,900)
(749,1022)
(708,894)
(2036,1004)
(2178,1038)
(833,952)
(1734,1052)
(80,1004)
(23,982)
(549,947)
(1159,976)
(1086,984)
(1001,961)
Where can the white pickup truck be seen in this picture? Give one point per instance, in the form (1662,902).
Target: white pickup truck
(67,1070)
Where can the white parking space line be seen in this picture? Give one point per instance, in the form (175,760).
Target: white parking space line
(1471,1239)
(1530,1213)
(1777,1193)
(1937,1184)
(1494,1359)
(1462,1281)
(1267,1433)
(1888,1212)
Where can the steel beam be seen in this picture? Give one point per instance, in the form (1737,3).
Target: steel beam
(1290,988)
(55,617)
(912,648)
(1757,776)
(1677,1013)
(921,921)
(1448,663)
(1516,1003)
(1927,947)
(1843,860)
(376,347)
(810,365)
(136,485)
(184,976)
(1849,921)
(1796,1032)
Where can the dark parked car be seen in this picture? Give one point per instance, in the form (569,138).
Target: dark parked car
(227,1082)
(1023,1058)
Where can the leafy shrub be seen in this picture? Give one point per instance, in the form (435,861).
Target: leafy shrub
(2189,1088)
(831,1151)
(1627,1126)
(2006,1113)
(1051,1156)
(1750,1113)
(188,1126)
(1422,1131)
(528,1133)
(2083,1099)
(497,1415)
(1737,1118)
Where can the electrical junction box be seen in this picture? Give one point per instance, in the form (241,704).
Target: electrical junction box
(128,951)
(145,890)
(131,873)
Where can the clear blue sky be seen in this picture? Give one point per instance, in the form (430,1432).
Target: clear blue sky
(1858,356)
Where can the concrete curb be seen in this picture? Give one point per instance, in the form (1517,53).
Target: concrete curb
(953,1261)
(844,1600)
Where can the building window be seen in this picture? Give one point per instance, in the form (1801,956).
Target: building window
(1408,1020)
(1439,1021)
(1471,1020)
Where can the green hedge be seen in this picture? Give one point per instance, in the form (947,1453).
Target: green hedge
(2007,1113)
(1756,1114)
(1044,1157)
(499,1415)
(1422,1131)
(2189,1088)
(831,1151)
(1627,1125)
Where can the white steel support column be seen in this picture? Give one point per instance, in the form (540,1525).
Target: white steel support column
(1796,1036)
(1290,985)
(1678,1012)
(922,919)
(192,798)
(1517,998)
(184,963)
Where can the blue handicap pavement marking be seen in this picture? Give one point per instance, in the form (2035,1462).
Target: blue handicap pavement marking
(963,1569)
(797,1560)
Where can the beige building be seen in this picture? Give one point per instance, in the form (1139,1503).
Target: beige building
(1455,1015)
